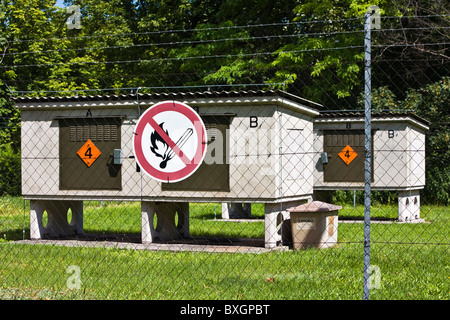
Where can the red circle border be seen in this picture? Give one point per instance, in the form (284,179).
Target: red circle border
(137,142)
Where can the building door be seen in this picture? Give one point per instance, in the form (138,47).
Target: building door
(88,165)
(214,173)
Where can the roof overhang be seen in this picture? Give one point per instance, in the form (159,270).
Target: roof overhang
(376,117)
(275,97)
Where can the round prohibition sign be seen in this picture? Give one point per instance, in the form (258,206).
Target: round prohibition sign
(169,142)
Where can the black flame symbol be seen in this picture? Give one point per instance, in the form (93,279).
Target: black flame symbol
(160,148)
(166,153)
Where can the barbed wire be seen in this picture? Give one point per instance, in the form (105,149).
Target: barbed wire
(159,32)
(195,42)
(169,88)
(265,25)
(240,55)
(177,58)
(219,55)
(189,42)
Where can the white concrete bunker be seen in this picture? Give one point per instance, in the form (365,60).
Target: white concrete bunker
(398,156)
(265,147)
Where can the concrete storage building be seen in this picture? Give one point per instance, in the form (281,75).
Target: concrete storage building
(262,147)
(255,132)
(398,155)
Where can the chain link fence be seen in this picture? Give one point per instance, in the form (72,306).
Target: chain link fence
(273,210)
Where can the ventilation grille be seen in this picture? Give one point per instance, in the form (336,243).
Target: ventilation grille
(98,132)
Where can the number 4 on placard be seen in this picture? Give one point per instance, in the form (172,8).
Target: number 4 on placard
(88,153)
(74,21)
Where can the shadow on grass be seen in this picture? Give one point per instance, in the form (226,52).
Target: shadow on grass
(19,234)
(14,234)
(359,218)
(203,239)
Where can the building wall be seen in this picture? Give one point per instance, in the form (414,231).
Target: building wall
(391,155)
(416,158)
(255,136)
(297,154)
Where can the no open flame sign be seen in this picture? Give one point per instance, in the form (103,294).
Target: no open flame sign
(169,141)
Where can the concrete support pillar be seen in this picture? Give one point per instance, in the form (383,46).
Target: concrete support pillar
(236,210)
(57,219)
(277,223)
(166,228)
(408,205)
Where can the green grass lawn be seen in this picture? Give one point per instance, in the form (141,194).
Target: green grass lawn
(413,260)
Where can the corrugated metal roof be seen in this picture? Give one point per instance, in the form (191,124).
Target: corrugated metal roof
(170,96)
(337,114)
(324,114)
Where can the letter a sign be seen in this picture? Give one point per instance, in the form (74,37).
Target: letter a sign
(169,141)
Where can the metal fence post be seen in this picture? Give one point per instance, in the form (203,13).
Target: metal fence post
(368,148)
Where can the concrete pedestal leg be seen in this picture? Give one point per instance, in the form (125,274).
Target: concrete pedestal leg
(236,210)
(277,224)
(148,232)
(57,222)
(165,228)
(408,205)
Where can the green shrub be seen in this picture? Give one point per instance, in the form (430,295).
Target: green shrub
(10,170)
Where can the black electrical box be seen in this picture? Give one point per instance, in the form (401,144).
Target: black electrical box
(345,152)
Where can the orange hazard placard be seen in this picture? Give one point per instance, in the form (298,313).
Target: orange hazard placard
(89,153)
(347,154)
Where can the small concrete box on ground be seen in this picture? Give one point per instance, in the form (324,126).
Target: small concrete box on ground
(314,224)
